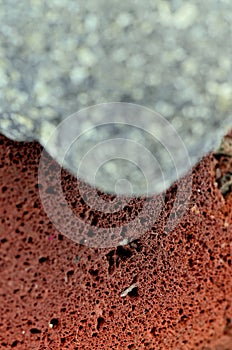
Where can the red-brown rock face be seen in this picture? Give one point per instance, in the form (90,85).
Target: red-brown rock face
(56,294)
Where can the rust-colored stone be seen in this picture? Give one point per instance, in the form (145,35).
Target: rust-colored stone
(56,294)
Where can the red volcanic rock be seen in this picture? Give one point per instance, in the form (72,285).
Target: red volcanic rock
(166,290)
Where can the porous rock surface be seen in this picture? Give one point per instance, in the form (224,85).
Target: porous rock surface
(56,294)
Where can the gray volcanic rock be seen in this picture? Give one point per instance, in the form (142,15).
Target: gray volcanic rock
(174,57)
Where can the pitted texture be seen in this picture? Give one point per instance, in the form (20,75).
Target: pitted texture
(56,294)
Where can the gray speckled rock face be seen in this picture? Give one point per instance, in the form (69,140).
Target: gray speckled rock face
(174,57)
